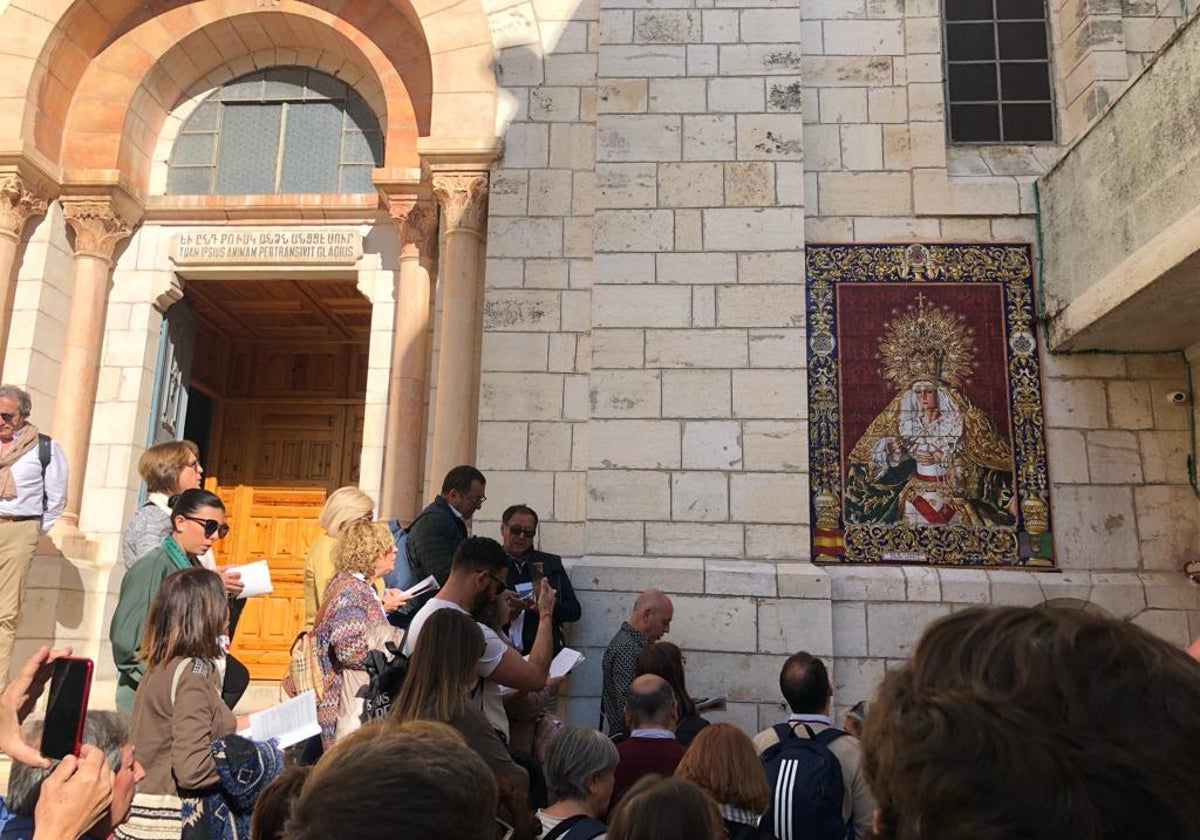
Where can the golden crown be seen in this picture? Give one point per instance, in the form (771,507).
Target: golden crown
(926,341)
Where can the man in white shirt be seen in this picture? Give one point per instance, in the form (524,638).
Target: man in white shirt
(477,578)
(32,497)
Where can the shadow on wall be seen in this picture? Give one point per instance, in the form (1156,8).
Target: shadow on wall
(53,609)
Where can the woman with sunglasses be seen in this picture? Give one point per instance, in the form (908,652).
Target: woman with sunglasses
(197,521)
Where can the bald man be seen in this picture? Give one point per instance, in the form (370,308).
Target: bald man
(651,712)
(648,622)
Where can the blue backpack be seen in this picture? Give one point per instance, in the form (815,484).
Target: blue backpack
(402,575)
(807,789)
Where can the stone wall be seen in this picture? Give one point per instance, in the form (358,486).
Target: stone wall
(644,369)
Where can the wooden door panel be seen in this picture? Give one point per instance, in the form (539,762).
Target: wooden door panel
(277,524)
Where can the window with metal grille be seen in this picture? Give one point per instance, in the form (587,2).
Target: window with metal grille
(282,130)
(998,84)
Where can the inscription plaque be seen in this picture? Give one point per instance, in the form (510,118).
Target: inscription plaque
(220,246)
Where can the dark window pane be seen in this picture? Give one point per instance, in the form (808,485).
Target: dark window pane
(1028,123)
(357,179)
(359,115)
(972,82)
(974,123)
(1008,9)
(311,148)
(193,149)
(1025,81)
(970,41)
(321,86)
(968,9)
(190,180)
(248,88)
(1022,40)
(204,118)
(249,142)
(285,83)
(356,148)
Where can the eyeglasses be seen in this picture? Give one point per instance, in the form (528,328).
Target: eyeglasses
(518,531)
(476,500)
(211,526)
(499,582)
(9,416)
(192,465)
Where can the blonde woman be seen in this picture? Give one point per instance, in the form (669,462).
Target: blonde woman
(344,505)
(351,622)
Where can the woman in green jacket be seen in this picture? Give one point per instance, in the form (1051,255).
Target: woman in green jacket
(197,521)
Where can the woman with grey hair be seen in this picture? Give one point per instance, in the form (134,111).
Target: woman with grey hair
(580,771)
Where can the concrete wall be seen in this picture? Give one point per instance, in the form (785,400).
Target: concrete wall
(1123,191)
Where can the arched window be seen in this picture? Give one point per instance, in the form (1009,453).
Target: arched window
(998,83)
(282,130)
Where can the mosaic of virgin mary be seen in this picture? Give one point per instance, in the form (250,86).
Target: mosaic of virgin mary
(931,457)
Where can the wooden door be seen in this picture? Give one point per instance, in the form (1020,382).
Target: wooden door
(277,525)
(285,364)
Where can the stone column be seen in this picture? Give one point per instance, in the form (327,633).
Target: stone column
(99,226)
(462,195)
(18,204)
(404,436)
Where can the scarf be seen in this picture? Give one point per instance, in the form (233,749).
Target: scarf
(177,554)
(25,439)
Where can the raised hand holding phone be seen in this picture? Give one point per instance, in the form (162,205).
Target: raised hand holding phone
(17,701)
(66,709)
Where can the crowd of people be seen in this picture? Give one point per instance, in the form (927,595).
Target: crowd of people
(1005,723)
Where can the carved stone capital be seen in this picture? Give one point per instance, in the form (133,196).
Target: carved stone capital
(463,199)
(18,204)
(416,222)
(98,227)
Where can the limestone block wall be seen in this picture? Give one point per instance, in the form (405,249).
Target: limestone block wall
(655,414)
(536,350)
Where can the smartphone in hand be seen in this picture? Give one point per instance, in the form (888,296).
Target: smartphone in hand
(66,709)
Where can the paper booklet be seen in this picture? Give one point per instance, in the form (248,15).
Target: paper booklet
(429,584)
(289,722)
(564,662)
(256,578)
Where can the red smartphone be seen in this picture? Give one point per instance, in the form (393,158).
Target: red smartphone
(66,709)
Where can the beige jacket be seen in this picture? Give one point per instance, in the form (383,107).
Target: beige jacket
(858,803)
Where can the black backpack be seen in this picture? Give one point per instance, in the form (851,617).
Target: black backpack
(579,827)
(808,791)
(386,670)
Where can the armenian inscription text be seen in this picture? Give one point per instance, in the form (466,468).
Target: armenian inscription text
(264,245)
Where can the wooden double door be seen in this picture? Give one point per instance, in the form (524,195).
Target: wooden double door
(277,385)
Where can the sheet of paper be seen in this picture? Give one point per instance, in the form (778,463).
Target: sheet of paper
(564,662)
(421,588)
(256,578)
(289,722)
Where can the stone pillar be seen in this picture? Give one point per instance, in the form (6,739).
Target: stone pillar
(404,436)
(18,204)
(462,195)
(99,226)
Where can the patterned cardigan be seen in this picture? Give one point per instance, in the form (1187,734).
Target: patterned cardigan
(341,641)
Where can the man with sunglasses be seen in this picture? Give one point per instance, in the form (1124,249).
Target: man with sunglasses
(33,493)
(477,579)
(526,566)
